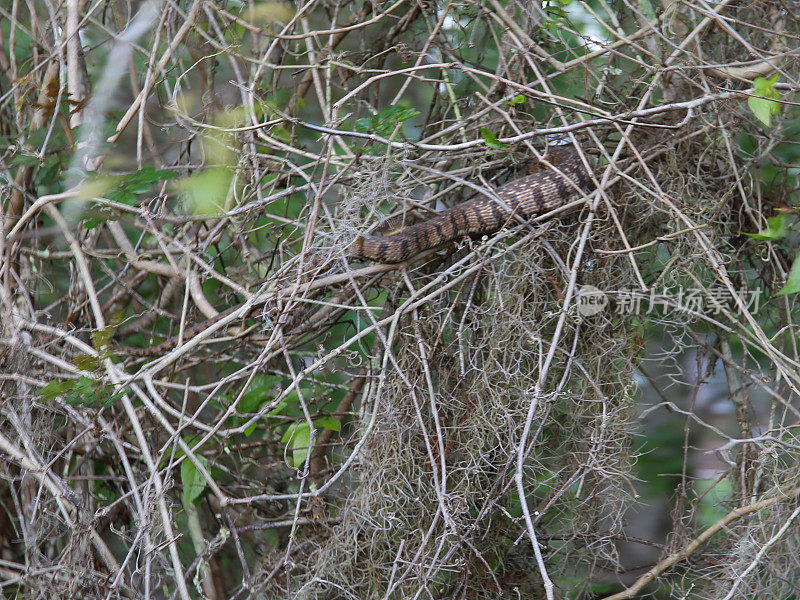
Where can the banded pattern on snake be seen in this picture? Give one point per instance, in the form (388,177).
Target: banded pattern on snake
(537,193)
(525,196)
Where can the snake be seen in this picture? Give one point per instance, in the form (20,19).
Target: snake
(528,196)
(545,190)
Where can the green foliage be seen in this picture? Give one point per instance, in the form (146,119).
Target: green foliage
(287,417)
(491,139)
(328,422)
(648,10)
(259,393)
(130,186)
(518,99)
(102,337)
(763,103)
(101,342)
(557,16)
(193,481)
(83,391)
(776,229)
(52,150)
(386,121)
(86,362)
(793,280)
(125,190)
(297,439)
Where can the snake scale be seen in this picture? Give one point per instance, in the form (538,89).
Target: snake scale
(534,194)
(526,196)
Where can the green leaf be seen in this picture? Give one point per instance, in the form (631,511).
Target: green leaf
(491,140)
(91,393)
(126,189)
(85,383)
(328,422)
(54,389)
(363,125)
(258,393)
(384,129)
(193,482)
(37,138)
(83,391)
(287,436)
(765,106)
(397,114)
(776,229)
(385,122)
(25,160)
(86,362)
(122,195)
(96,216)
(556,11)
(52,169)
(518,99)
(102,337)
(278,410)
(793,280)
(297,438)
(648,10)
(147,176)
(766,87)
(762,109)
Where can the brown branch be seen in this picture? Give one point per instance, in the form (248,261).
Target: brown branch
(701,539)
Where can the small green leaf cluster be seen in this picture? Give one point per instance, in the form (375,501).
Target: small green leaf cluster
(83,391)
(130,187)
(259,393)
(557,15)
(193,481)
(764,103)
(386,121)
(45,149)
(287,415)
(491,139)
(777,229)
(124,190)
(298,437)
(518,99)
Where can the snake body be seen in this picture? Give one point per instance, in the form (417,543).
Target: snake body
(526,196)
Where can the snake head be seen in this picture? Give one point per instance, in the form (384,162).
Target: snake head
(357,247)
